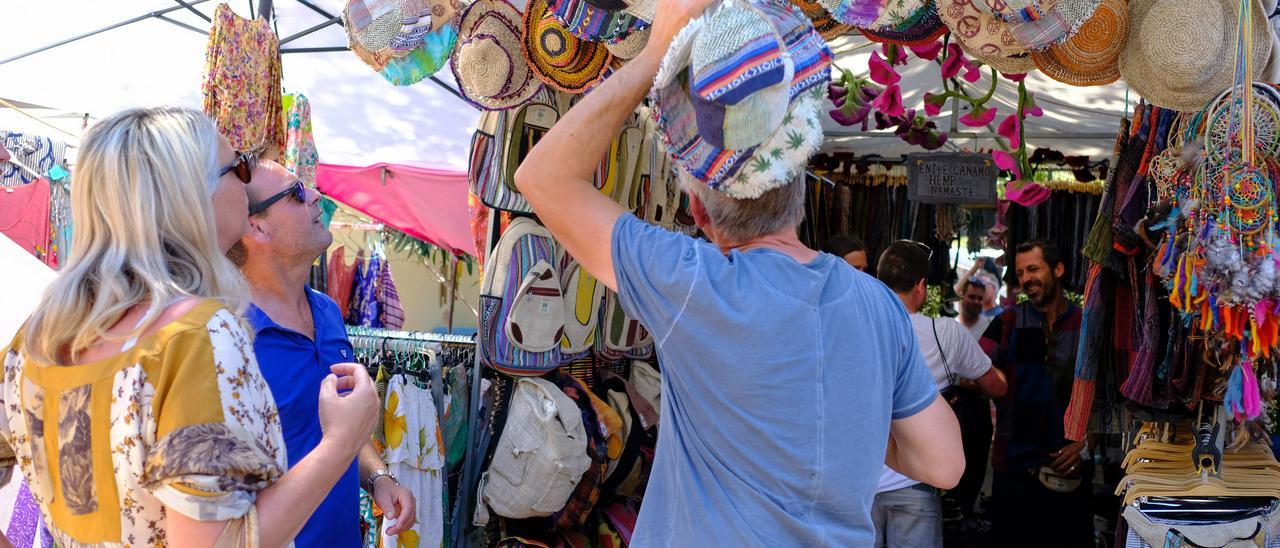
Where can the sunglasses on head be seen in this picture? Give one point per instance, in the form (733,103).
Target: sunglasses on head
(296,190)
(242,166)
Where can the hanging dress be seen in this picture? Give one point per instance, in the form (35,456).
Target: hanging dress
(242,83)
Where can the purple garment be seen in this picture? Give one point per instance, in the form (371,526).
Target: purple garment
(26,528)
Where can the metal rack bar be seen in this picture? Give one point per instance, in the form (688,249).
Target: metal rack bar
(377,332)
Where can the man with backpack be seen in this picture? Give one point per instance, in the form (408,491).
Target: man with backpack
(908,513)
(789,378)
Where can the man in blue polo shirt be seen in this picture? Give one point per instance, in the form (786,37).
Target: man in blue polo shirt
(299,333)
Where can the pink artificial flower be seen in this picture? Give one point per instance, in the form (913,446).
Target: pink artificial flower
(881,72)
(1011,129)
(1034,111)
(978,117)
(933,103)
(972,72)
(897,55)
(954,61)
(836,93)
(1006,162)
(890,101)
(929,51)
(1015,77)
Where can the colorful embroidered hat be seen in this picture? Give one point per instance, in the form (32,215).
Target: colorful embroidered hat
(895,13)
(558,58)
(644,10)
(1089,58)
(487,63)
(590,23)
(984,37)
(1178,53)
(922,27)
(736,99)
(1038,24)
(825,24)
(426,59)
(859,13)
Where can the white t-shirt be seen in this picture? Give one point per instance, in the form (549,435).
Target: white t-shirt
(965,358)
(979,327)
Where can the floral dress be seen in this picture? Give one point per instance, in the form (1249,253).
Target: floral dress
(242,83)
(300,155)
(182,422)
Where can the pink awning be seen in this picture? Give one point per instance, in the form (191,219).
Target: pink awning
(427,203)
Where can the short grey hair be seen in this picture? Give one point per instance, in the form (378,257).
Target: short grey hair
(774,211)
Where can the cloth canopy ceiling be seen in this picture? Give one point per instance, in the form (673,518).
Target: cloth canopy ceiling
(427,203)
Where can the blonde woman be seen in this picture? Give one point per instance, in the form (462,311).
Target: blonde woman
(132,399)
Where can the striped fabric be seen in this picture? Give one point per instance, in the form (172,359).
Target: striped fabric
(590,23)
(499,351)
(390,313)
(486,168)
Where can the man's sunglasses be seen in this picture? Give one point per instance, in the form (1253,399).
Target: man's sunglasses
(296,190)
(242,166)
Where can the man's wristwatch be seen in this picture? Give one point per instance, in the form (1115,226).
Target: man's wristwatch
(381,472)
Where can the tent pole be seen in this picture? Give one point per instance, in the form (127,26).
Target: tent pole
(198,13)
(264,9)
(191,28)
(300,34)
(453,290)
(102,30)
(317,9)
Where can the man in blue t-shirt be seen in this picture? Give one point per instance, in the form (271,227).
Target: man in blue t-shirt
(299,333)
(789,378)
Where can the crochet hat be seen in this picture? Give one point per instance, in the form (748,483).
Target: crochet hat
(558,58)
(922,27)
(859,13)
(736,99)
(826,25)
(1178,54)
(487,63)
(590,23)
(1038,24)
(630,46)
(984,37)
(1089,58)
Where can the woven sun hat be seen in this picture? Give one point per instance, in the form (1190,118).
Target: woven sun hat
(644,10)
(590,23)
(558,58)
(825,24)
(922,27)
(487,62)
(1179,53)
(984,37)
(737,97)
(629,46)
(1089,58)
(426,59)
(859,13)
(1038,24)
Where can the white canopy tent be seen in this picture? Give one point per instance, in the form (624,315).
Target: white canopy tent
(360,119)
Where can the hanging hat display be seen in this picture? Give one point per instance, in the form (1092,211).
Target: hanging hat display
(630,46)
(426,59)
(374,25)
(895,13)
(922,27)
(590,23)
(859,13)
(826,25)
(1090,57)
(557,57)
(736,102)
(644,10)
(487,62)
(984,37)
(1178,52)
(1038,24)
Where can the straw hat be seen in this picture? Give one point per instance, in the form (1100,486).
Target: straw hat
(826,25)
(1089,58)
(1038,24)
(644,10)
(373,25)
(487,63)
(590,23)
(736,103)
(629,47)
(1179,53)
(557,57)
(984,37)
(922,27)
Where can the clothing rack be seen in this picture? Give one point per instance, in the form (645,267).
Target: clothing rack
(376,332)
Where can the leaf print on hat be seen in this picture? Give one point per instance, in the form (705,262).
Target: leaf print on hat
(394,423)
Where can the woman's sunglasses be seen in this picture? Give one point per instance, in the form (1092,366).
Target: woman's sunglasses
(296,190)
(242,166)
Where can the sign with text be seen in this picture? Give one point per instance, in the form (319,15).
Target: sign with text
(951,178)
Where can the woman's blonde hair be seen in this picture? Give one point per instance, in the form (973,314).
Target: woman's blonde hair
(144,230)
